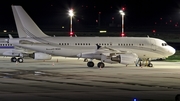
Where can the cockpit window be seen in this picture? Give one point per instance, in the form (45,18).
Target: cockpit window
(164,44)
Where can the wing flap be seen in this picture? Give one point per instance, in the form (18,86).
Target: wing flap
(107,51)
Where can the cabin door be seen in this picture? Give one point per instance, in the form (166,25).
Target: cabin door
(153,45)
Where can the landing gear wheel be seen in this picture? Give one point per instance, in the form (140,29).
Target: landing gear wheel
(101,65)
(150,65)
(13,59)
(90,64)
(177,97)
(20,60)
(140,64)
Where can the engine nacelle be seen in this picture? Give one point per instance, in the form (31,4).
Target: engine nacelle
(89,55)
(40,56)
(128,58)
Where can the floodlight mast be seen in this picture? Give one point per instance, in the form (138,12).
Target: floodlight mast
(71,14)
(123,14)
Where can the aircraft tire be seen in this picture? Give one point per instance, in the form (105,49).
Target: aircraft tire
(13,59)
(150,65)
(100,65)
(177,97)
(20,60)
(90,64)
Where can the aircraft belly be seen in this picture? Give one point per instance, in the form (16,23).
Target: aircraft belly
(67,52)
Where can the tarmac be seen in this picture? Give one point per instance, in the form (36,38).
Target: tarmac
(69,79)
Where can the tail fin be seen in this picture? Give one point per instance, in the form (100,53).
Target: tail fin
(26,27)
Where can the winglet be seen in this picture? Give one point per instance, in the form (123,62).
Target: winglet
(10,36)
(98,46)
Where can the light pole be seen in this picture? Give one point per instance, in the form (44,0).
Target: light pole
(99,19)
(122,13)
(71,14)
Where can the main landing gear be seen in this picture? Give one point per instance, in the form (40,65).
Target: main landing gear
(99,65)
(14,59)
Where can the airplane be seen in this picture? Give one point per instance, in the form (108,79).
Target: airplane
(9,50)
(123,50)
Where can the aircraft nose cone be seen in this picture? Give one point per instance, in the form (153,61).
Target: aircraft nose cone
(172,51)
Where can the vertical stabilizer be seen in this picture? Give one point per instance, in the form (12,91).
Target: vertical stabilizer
(26,27)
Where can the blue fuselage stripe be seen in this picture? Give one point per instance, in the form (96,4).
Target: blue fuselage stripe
(6,47)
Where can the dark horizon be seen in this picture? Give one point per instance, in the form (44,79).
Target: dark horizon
(49,14)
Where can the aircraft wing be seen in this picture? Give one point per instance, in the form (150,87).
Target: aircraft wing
(110,51)
(25,42)
(36,42)
(18,49)
(102,51)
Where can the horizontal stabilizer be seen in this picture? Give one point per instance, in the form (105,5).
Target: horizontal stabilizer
(25,42)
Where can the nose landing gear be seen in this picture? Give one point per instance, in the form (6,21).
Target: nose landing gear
(144,62)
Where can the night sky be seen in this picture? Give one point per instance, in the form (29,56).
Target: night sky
(50,13)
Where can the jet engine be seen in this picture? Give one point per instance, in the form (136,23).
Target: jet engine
(40,56)
(128,58)
(89,55)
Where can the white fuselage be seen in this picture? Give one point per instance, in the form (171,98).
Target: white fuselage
(144,47)
(4,46)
